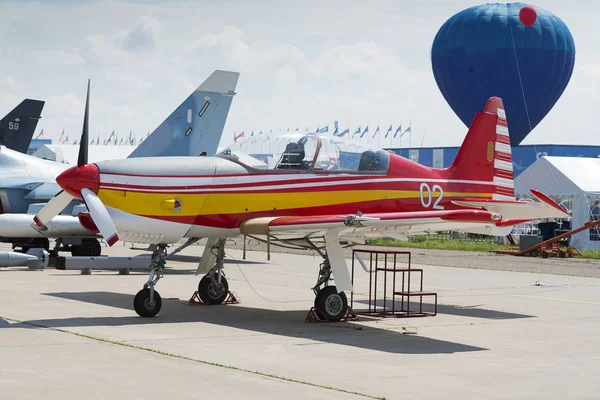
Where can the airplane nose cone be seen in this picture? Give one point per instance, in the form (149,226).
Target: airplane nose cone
(76,178)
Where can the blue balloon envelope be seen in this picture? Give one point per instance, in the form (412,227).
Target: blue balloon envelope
(487,51)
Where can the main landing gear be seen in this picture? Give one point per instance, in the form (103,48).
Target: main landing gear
(212,288)
(328,302)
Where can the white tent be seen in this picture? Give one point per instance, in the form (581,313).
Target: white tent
(575,177)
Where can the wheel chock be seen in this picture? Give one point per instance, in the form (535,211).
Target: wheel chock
(316,315)
(198,300)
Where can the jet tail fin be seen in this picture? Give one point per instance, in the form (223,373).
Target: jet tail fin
(196,126)
(18,126)
(485,154)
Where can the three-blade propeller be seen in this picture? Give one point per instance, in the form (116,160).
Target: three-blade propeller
(76,178)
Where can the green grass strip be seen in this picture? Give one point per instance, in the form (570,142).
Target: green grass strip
(213,364)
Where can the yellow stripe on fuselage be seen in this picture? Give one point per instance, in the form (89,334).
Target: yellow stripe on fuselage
(192,204)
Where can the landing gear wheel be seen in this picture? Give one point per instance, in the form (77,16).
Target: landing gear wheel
(331,303)
(143,306)
(544,254)
(88,248)
(211,291)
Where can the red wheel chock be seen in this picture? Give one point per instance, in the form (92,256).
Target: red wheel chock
(316,315)
(198,300)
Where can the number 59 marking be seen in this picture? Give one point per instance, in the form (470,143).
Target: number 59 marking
(427,200)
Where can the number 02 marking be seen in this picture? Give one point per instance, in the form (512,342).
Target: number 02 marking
(427,200)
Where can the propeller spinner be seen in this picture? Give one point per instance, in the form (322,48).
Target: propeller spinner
(82,182)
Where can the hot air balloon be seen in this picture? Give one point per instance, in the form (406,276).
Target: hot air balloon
(521,53)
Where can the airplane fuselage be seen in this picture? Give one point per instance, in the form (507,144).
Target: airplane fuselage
(214,196)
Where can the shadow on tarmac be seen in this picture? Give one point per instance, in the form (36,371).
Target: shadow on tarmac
(273,322)
(463,311)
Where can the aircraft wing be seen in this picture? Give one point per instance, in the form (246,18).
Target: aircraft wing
(359,227)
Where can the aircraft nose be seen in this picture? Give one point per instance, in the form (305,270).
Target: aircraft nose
(79,177)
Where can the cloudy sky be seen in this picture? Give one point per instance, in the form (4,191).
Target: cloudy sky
(302,63)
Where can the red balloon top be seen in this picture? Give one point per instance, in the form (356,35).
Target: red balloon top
(527,15)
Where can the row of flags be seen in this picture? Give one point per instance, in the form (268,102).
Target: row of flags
(113,139)
(345,133)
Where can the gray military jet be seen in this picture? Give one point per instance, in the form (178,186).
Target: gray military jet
(193,129)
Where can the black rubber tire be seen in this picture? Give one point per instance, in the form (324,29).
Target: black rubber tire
(209,294)
(88,248)
(37,243)
(332,304)
(545,254)
(141,303)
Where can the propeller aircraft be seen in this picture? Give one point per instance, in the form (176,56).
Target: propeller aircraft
(309,200)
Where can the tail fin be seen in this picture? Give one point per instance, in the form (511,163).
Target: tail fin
(196,126)
(17,128)
(485,154)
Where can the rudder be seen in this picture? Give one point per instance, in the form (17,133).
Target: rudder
(485,154)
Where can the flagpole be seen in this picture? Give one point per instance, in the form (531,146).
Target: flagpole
(409,138)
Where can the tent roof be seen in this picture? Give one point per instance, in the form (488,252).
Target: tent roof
(561,176)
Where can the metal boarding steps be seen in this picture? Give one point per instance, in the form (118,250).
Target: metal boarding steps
(384,262)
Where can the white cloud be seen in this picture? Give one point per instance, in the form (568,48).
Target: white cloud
(357,62)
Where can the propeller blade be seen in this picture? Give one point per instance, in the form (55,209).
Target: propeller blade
(83,143)
(51,209)
(100,216)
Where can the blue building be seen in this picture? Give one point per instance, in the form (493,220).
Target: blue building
(523,155)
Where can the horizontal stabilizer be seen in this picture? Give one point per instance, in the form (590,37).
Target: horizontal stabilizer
(522,210)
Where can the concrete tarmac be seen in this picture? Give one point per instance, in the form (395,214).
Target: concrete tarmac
(498,335)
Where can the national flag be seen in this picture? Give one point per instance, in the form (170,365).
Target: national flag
(376,132)
(130,140)
(98,139)
(388,131)
(335,131)
(121,142)
(406,131)
(357,132)
(40,134)
(235,138)
(344,133)
(252,133)
(398,130)
(66,139)
(75,142)
(111,137)
(325,129)
(297,129)
(62,136)
(365,131)
(260,133)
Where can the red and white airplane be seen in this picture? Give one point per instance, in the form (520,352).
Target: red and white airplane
(306,201)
